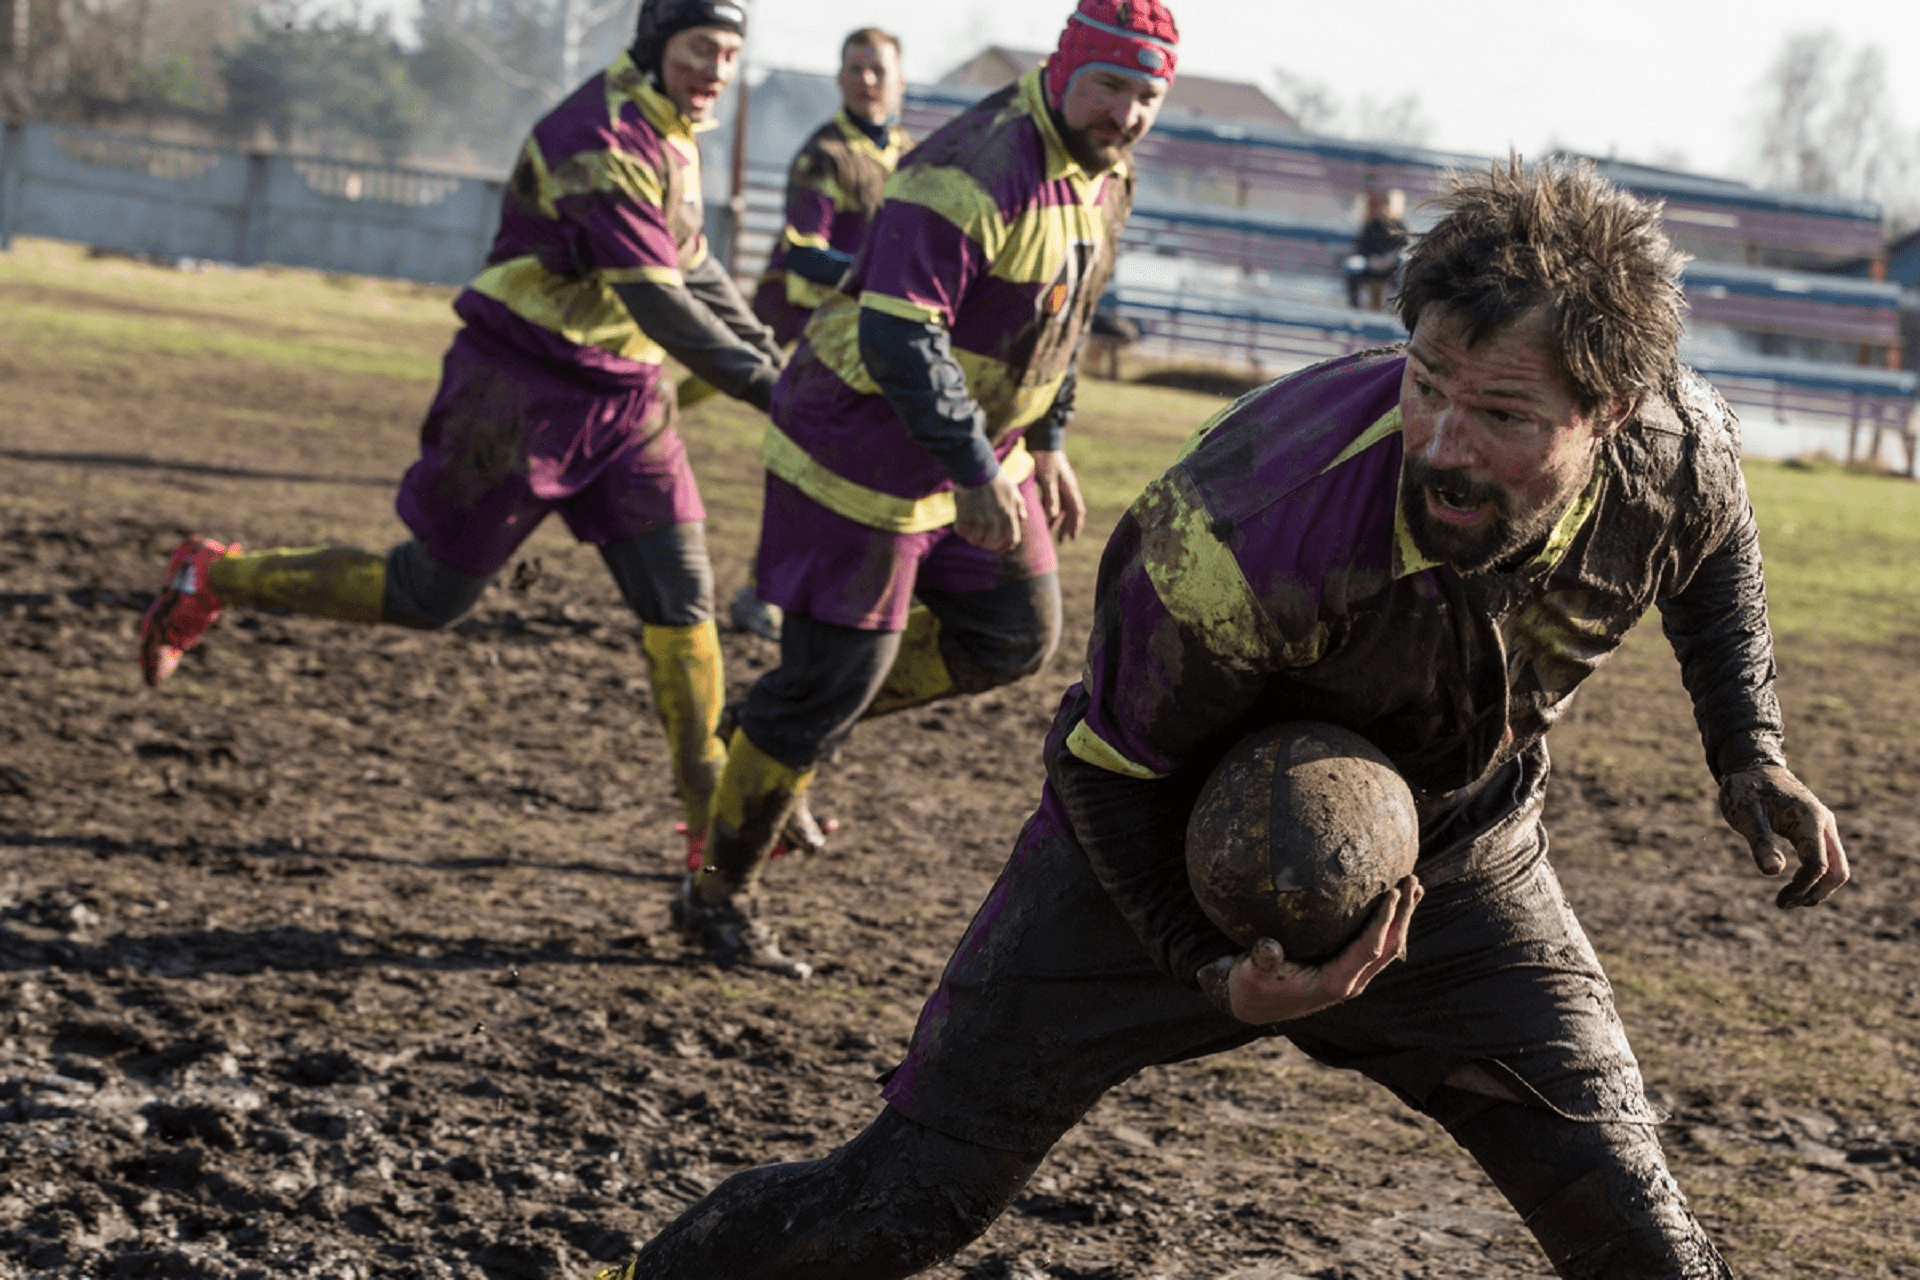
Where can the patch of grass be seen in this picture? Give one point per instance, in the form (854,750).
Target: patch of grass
(1842,552)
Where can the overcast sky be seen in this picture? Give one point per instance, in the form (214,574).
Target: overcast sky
(1650,79)
(1654,80)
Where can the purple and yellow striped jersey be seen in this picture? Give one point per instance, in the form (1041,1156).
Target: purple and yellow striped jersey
(991,230)
(833,188)
(606,192)
(1269,575)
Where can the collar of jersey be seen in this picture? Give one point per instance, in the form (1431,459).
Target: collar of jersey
(660,110)
(1032,99)
(859,140)
(1407,556)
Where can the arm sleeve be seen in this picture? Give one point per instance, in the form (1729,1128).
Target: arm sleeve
(1050,432)
(912,363)
(672,317)
(817,263)
(933,236)
(1717,625)
(714,289)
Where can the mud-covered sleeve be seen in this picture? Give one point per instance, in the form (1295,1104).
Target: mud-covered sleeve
(935,233)
(1713,603)
(1180,650)
(1717,625)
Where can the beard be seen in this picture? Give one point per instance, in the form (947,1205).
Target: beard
(1472,550)
(1092,156)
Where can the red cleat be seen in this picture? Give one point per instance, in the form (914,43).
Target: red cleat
(183,610)
(803,835)
(696,845)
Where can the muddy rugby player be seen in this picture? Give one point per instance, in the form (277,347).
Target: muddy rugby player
(551,397)
(915,463)
(1432,546)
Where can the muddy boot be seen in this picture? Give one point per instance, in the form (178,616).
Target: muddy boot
(729,928)
(803,835)
(749,612)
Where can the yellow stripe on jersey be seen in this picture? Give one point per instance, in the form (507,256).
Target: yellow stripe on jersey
(900,307)
(1039,241)
(607,173)
(586,312)
(1006,405)
(544,190)
(1388,424)
(780,455)
(955,196)
(806,294)
(1201,584)
(671,277)
(1084,744)
(805,239)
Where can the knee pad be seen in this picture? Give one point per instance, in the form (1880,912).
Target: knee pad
(423,593)
(665,576)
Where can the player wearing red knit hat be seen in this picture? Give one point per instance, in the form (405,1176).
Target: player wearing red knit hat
(916,468)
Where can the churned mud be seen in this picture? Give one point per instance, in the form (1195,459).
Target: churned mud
(346,953)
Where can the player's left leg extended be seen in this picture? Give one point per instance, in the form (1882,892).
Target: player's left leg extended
(897,1199)
(405,586)
(667,579)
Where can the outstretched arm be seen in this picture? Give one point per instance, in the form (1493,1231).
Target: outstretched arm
(715,290)
(1718,628)
(671,315)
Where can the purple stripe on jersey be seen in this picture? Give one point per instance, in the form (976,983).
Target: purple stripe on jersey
(998,312)
(619,232)
(914,253)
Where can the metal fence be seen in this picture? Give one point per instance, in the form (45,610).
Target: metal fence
(173,200)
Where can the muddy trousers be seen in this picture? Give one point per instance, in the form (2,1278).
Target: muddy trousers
(901,1198)
(664,576)
(830,677)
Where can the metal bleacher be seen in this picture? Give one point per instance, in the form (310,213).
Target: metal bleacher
(1233,256)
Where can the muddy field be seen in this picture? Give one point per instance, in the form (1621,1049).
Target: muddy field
(346,954)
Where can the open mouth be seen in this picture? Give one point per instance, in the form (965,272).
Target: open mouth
(1457,503)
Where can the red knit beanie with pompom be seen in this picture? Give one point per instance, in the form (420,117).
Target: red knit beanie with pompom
(1134,37)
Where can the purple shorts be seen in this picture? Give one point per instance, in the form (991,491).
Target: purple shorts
(509,439)
(816,562)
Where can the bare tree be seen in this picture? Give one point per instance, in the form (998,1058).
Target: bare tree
(1319,109)
(1826,123)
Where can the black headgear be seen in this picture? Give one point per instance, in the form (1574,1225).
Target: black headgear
(661,20)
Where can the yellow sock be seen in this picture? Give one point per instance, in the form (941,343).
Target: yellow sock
(325,582)
(689,688)
(919,674)
(755,795)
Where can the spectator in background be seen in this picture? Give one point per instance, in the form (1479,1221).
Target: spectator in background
(1378,250)
(833,188)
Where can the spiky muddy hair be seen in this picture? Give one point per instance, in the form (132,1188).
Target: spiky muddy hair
(1559,239)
